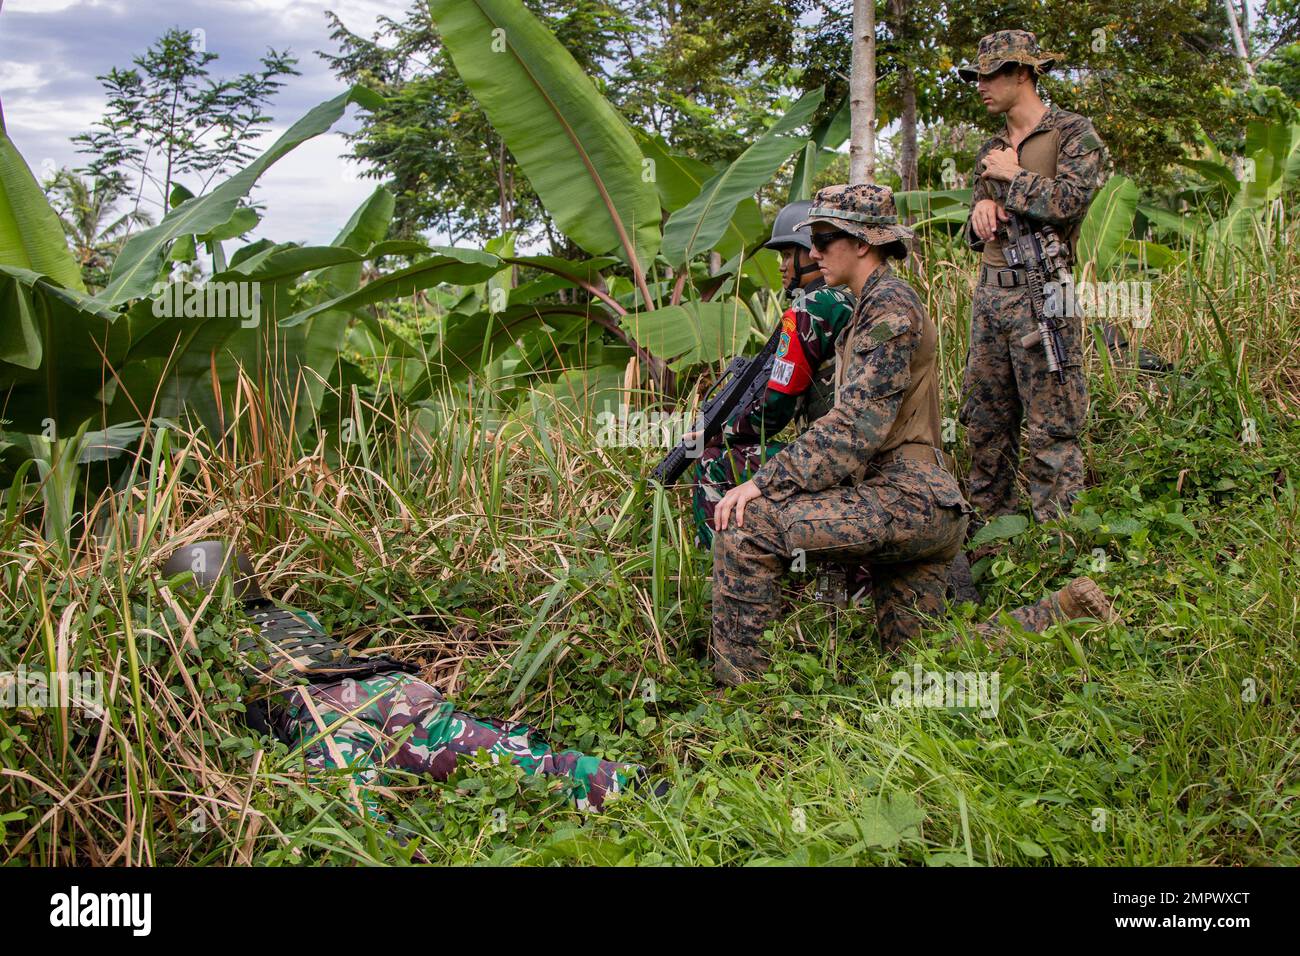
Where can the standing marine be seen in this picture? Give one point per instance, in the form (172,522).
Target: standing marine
(1046,165)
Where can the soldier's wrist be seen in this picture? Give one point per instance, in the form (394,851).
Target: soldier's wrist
(767,482)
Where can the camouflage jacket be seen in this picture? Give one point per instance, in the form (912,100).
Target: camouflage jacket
(803,371)
(1062,199)
(837,446)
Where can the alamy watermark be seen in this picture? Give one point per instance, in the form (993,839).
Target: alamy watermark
(965,690)
(629,428)
(209,300)
(41,689)
(76,908)
(1099,300)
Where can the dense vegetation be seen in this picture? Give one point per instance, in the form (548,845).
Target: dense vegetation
(406,438)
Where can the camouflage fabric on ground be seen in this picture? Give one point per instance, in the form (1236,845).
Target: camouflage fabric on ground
(285,646)
(398,721)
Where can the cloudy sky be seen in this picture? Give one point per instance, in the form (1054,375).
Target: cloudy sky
(52,50)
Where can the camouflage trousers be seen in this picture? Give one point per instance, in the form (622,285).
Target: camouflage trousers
(720,469)
(397,721)
(1007,383)
(900,593)
(906,522)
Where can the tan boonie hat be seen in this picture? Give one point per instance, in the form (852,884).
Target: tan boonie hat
(862,210)
(1007,46)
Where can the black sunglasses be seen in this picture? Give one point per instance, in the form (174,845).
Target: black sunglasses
(822,240)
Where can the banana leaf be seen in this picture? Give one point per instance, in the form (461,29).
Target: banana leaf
(679,180)
(698,225)
(826,137)
(574,148)
(68,382)
(141,259)
(469,342)
(1107,224)
(447,264)
(31,236)
(692,332)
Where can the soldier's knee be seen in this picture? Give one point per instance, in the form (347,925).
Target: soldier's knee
(762,512)
(1051,439)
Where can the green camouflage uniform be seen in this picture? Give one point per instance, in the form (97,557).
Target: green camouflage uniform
(369,714)
(1005,381)
(801,389)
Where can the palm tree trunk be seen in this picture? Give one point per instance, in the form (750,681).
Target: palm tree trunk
(862,94)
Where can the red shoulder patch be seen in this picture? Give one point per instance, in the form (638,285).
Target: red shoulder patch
(791,373)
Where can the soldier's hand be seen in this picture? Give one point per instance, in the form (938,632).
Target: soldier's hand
(736,498)
(1001,164)
(984,218)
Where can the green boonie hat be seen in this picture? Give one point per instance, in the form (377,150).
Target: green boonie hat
(862,210)
(1007,46)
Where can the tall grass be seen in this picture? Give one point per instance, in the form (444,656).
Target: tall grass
(532,573)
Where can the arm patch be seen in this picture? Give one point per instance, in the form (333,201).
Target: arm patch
(882,330)
(791,372)
(1086,142)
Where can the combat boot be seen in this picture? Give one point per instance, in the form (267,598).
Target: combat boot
(1083,598)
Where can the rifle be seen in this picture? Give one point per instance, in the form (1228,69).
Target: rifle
(1041,253)
(741,382)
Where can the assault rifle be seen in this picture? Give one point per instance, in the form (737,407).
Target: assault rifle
(1041,254)
(741,382)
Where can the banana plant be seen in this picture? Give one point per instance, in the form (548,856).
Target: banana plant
(616,192)
(70,361)
(1236,192)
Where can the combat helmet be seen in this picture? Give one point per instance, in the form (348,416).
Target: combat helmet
(210,561)
(281,645)
(785,231)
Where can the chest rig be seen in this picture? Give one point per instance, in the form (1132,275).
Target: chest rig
(917,421)
(1039,152)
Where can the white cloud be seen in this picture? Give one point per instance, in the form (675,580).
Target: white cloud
(310,194)
(359,16)
(52,117)
(22,77)
(57,6)
(52,50)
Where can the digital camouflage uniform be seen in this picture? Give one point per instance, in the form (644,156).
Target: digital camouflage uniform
(380,716)
(395,721)
(369,713)
(865,483)
(1062,162)
(801,387)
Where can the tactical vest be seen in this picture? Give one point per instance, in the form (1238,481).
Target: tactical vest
(1038,153)
(290,647)
(917,421)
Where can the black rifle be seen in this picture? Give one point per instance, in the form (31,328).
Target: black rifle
(741,382)
(1041,253)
